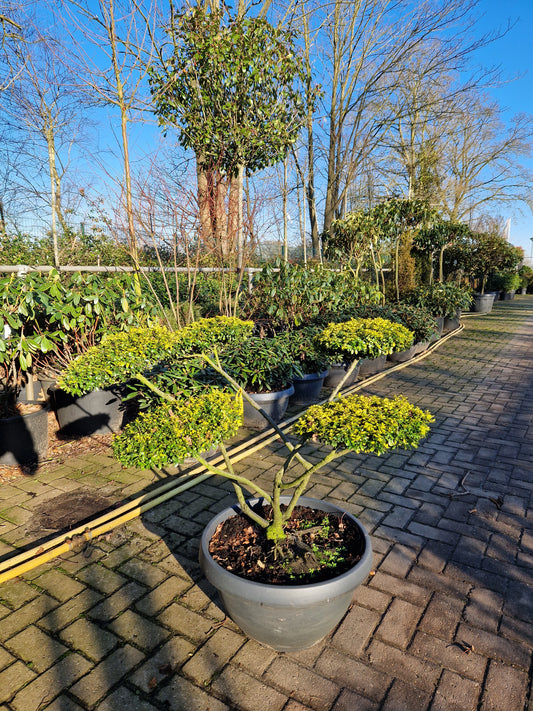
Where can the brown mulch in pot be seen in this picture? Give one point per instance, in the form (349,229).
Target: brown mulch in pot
(319,546)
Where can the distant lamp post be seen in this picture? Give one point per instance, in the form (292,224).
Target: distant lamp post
(531,256)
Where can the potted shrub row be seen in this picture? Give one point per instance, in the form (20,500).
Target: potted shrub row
(445,301)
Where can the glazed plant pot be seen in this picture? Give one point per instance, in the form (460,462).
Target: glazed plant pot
(285,617)
(24,438)
(274,404)
(371,366)
(307,388)
(337,371)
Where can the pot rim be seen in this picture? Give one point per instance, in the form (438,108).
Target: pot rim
(312,376)
(273,394)
(286,593)
(44,406)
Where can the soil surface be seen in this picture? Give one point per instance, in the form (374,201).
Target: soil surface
(319,546)
(59,450)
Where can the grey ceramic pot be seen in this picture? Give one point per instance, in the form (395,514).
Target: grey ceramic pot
(274,404)
(337,371)
(371,366)
(285,617)
(483,303)
(403,356)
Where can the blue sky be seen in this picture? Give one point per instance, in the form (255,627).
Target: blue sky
(515,56)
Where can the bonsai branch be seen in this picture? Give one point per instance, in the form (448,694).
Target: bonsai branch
(350,370)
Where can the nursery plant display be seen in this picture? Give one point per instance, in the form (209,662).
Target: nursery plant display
(442,299)
(358,338)
(351,424)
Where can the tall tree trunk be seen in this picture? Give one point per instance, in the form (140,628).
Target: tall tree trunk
(240,226)
(53,196)
(124,118)
(285,215)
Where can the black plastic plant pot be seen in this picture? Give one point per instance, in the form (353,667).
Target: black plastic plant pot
(24,438)
(308,387)
(97,412)
(274,404)
(285,617)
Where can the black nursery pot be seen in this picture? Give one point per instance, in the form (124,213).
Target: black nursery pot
(97,412)
(24,438)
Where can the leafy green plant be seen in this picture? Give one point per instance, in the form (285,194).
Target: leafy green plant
(206,333)
(156,351)
(260,364)
(364,424)
(117,358)
(441,299)
(363,338)
(290,295)
(304,349)
(415,318)
(505,281)
(59,317)
(170,433)
(526,276)
(20,343)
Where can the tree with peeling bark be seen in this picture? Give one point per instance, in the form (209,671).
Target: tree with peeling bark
(232,86)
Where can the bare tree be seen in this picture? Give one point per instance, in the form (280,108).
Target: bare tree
(480,160)
(43,104)
(364,50)
(112,58)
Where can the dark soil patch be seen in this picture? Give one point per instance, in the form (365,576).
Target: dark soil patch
(319,546)
(69,509)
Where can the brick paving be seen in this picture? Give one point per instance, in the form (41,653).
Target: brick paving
(444,623)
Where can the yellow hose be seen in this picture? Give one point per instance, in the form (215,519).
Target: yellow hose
(30,559)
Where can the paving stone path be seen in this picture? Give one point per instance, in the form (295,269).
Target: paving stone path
(444,623)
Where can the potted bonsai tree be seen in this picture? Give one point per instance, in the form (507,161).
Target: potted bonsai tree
(285,565)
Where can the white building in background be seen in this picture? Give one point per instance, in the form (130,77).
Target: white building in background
(507,230)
